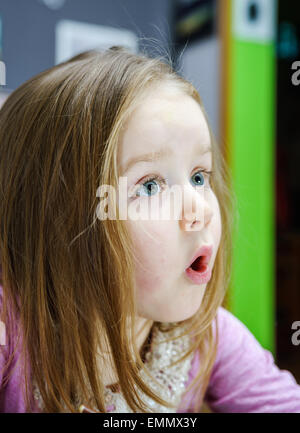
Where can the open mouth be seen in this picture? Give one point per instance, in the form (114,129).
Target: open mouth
(199,264)
(198,271)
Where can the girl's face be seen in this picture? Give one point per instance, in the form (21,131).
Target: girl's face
(169,120)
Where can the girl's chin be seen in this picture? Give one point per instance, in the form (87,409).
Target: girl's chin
(169,317)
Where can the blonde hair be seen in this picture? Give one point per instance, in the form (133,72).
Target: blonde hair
(67,277)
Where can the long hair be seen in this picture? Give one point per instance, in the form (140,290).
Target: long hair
(68,277)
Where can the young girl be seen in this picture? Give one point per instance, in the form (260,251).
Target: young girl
(120,314)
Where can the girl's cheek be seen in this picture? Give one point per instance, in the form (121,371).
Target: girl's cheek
(151,237)
(152,261)
(147,285)
(216,223)
(148,290)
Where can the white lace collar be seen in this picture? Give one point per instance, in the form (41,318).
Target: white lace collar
(157,361)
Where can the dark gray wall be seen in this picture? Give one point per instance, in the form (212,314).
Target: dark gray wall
(29,28)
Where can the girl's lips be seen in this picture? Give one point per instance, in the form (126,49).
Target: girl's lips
(205,252)
(201,273)
(199,277)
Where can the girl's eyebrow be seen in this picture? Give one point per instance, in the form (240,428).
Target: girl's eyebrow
(155,156)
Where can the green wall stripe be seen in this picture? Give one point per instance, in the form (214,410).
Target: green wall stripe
(252,141)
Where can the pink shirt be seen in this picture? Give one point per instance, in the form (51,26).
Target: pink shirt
(244,376)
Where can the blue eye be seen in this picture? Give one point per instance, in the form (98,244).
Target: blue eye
(199,178)
(150,184)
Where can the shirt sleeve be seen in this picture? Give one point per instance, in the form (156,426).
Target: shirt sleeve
(3,344)
(11,395)
(245,378)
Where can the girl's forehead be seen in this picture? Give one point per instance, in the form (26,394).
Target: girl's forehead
(166,106)
(161,132)
(167,116)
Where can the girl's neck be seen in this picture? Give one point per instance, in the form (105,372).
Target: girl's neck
(143,342)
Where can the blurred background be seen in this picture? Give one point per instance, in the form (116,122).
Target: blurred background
(243,56)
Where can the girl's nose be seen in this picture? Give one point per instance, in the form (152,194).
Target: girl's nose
(196,210)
